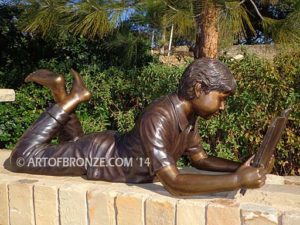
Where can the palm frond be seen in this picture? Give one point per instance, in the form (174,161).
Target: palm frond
(285,32)
(183,22)
(150,12)
(90,20)
(233,21)
(127,46)
(42,16)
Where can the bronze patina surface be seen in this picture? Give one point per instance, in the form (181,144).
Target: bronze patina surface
(166,130)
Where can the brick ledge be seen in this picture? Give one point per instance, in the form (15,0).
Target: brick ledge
(7,95)
(34,199)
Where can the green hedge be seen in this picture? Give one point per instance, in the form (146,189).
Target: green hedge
(264,90)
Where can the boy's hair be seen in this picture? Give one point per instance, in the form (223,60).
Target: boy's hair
(212,74)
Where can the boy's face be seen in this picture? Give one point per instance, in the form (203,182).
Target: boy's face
(206,105)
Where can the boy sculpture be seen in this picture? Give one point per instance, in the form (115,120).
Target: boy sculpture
(166,130)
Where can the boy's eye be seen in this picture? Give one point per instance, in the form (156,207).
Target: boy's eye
(223,98)
(227,93)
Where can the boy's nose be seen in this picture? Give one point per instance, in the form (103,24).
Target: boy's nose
(222,105)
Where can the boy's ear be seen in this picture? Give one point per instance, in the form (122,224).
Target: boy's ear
(198,90)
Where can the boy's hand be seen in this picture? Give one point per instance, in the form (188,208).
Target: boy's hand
(251,177)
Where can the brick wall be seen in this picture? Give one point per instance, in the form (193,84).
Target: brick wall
(36,200)
(7,95)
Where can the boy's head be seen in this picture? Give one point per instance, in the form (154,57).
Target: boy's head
(205,84)
(211,74)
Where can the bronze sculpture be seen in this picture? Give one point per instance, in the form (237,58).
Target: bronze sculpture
(166,130)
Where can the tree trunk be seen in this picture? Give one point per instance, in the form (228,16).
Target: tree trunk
(163,42)
(171,39)
(152,43)
(207,31)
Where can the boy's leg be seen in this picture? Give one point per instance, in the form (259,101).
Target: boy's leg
(34,144)
(72,130)
(55,82)
(34,153)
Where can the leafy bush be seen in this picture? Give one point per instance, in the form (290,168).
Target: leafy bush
(118,98)
(19,52)
(16,117)
(22,53)
(264,90)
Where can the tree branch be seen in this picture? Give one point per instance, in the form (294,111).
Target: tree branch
(171,7)
(256,9)
(235,7)
(241,2)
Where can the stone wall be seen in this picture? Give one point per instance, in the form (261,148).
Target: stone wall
(37,200)
(7,95)
(267,52)
(182,54)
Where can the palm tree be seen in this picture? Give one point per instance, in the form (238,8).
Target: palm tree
(90,18)
(210,22)
(223,20)
(217,22)
(42,16)
(153,14)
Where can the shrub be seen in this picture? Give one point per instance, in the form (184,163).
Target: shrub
(264,90)
(16,117)
(22,53)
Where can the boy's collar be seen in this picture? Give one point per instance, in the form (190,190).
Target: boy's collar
(181,117)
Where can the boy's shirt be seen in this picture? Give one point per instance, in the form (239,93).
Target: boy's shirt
(160,137)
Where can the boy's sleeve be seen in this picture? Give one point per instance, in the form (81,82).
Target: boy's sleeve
(155,135)
(195,146)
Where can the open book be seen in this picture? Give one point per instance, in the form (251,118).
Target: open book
(271,139)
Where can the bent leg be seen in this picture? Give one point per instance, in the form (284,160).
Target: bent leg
(71,131)
(33,152)
(34,149)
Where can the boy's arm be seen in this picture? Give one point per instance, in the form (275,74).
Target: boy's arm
(200,160)
(191,184)
(203,162)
